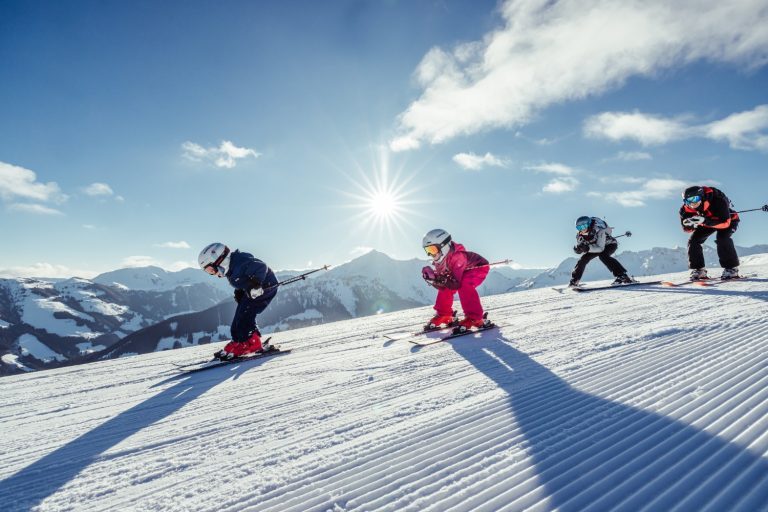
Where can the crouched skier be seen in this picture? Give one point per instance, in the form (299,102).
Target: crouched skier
(594,240)
(255,286)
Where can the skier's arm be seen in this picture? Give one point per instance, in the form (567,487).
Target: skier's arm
(721,214)
(599,244)
(255,273)
(458,265)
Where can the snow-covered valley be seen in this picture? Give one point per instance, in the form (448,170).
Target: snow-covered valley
(641,398)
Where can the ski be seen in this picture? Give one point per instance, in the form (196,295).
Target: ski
(215,363)
(710,281)
(422,343)
(426,329)
(611,287)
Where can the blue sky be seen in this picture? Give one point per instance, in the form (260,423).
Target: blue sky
(306,132)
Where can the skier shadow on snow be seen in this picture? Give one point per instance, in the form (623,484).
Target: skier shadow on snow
(33,484)
(593,453)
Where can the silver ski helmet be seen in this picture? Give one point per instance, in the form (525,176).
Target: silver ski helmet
(583,223)
(436,244)
(214,259)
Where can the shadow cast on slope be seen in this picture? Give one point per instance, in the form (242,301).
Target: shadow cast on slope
(593,453)
(44,477)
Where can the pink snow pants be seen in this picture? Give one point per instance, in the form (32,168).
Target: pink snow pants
(468,296)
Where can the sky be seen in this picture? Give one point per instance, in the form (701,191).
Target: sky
(135,133)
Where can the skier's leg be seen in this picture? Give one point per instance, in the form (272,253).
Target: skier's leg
(616,268)
(695,251)
(444,302)
(581,265)
(468,296)
(726,251)
(244,321)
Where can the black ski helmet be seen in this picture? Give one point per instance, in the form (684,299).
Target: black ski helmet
(583,221)
(693,191)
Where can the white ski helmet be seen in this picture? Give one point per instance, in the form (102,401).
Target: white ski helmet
(214,259)
(437,243)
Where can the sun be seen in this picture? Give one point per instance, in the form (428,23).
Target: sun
(382,199)
(383,204)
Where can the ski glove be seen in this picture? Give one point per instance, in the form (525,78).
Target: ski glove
(693,222)
(255,293)
(581,247)
(239,294)
(428,274)
(765,207)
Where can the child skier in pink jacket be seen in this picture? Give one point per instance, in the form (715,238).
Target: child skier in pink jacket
(455,269)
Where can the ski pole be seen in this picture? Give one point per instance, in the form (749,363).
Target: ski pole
(299,277)
(502,262)
(627,234)
(763,208)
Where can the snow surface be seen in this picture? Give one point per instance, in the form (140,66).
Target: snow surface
(640,398)
(30,345)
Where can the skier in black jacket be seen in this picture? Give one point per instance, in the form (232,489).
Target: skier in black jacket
(255,286)
(707,210)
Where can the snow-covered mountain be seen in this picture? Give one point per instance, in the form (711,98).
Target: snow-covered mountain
(130,311)
(611,400)
(44,323)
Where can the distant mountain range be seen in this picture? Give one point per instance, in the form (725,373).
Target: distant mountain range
(47,322)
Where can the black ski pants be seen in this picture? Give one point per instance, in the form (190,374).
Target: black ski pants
(726,252)
(612,263)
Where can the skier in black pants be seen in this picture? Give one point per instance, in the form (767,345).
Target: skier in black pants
(594,240)
(707,210)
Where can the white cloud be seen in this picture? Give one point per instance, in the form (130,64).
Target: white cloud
(552,168)
(18,182)
(743,130)
(174,245)
(656,188)
(140,261)
(475,162)
(224,156)
(37,209)
(632,156)
(46,270)
(644,128)
(561,185)
(89,226)
(550,52)
(98,189)
(746,130)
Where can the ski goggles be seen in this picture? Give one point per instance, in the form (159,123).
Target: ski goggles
(432,250)
(692,199)
(583,227)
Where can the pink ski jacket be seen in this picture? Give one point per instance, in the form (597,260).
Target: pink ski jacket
(455,265)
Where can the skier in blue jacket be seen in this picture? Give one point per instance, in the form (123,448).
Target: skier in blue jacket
(255,287)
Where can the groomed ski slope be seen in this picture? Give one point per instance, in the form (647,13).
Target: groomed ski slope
(632,399)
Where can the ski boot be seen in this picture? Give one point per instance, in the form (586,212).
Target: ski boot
(622,279)
(468,323)
(730,273)
(439,321)
(235,349)
(699,274)
(574,283)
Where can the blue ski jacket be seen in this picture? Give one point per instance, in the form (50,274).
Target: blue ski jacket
(246,272)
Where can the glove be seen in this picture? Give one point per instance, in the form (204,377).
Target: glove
(255,293)
(765,207)
(581,247)
(693,222)
(428,274)
(239,294)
